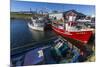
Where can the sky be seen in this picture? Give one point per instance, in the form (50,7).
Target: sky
(17,6)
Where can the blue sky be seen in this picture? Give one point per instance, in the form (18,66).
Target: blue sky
(17,6)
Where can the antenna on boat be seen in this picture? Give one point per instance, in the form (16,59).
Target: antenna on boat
(30,10)
(33,13)
(63,18)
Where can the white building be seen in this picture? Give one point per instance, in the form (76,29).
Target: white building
(57,15)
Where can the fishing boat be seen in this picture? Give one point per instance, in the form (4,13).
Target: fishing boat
(59,51)
(64,52)
(37,24)
(69,27)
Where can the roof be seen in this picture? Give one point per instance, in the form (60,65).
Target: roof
(71,13)
(78,13)
(56,13)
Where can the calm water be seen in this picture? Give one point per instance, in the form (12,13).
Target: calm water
(22,35)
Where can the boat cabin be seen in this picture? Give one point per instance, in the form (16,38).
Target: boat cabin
(69,22)
(56,16)
(71,16)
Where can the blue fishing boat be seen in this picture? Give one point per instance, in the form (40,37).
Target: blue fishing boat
(33,57)
(61,51)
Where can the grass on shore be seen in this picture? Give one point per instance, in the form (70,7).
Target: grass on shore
(23,15)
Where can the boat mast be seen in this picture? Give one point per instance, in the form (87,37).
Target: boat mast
(63,19)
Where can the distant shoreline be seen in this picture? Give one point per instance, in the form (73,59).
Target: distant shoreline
(15,15)
(19,15)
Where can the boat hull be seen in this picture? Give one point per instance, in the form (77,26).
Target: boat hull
(82,36)
(35,27)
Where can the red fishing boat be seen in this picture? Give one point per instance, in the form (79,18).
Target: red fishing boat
(71,29)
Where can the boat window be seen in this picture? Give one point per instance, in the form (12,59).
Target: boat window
(57,40)
(63,47)
(59,44)
(78,27)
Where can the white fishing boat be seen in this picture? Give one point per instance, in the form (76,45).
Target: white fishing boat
(37,24)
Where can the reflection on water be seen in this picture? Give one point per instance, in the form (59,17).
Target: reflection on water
(41,35)
(21,34)
(37,35)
